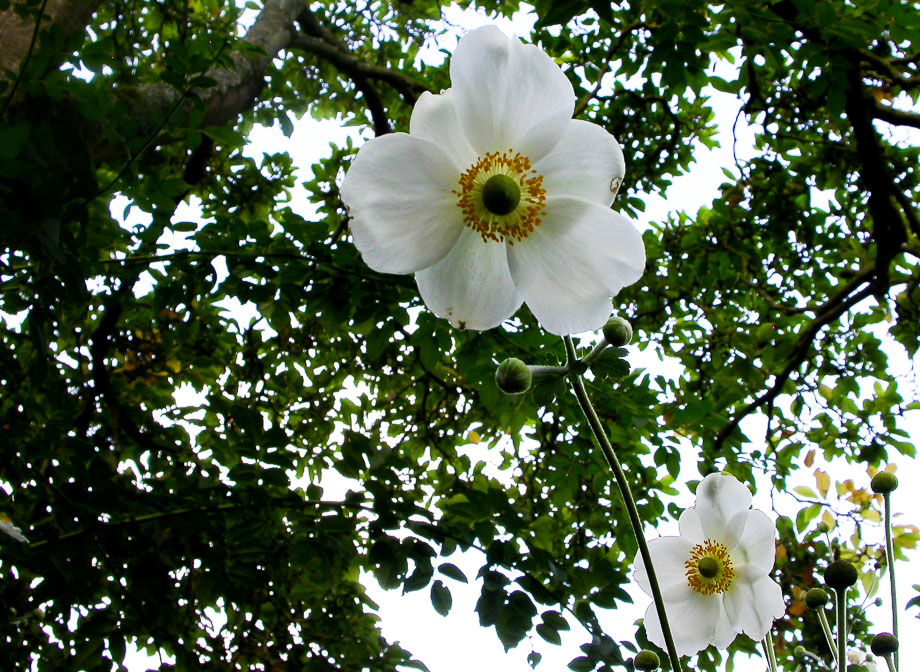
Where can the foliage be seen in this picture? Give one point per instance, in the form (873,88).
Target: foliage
(145,514)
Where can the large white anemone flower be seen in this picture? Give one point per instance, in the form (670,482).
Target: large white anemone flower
(497,196)
(715,577)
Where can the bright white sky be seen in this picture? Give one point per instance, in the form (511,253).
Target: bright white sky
(457,643)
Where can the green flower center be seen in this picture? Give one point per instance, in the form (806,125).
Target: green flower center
(501,197)
(500,194)
(709,569)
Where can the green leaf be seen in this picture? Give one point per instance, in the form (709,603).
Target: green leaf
(454,572)
(440,597)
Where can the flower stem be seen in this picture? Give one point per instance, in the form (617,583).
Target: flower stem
(891,666)
(600,435)
(889,556)
(827,633)
(768,650)
(841,629)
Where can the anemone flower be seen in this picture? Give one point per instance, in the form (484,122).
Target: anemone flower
(496,196)
(715,577)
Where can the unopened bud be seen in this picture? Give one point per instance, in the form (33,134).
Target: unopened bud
(799,651)
(840,575)
(513,376)
(884,644)
(815,598)
(618,332)
(646,660)
(884,482)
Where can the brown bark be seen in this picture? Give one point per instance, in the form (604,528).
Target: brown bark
(71,16)
(236,89)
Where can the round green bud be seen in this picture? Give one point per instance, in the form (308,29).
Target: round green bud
(799,651)
(618,332)
(501,194)
(646,660)
(840,575)
(513,376)
(816,598)
(884,482)
(884,644)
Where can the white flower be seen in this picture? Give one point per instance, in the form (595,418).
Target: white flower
(860,657)
(715,577)
(7,527)
(497,196)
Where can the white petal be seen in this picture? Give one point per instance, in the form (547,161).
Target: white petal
(719,499)
(754,602)
(693,623)
(757,545)
(573,262)
(691,527)
(434,118)
(398,192)
(7,527)
(726,630)
(668,557)
(587,163)
(509,95)
(471,286)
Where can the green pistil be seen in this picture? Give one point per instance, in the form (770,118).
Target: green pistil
(708,567)
(501,194)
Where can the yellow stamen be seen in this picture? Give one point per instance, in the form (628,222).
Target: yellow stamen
(522,219)
(704,577)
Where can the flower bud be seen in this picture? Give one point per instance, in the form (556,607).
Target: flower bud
(884,482)
(799,651)
(513,376)
(618,332)
(884,644)
(646,660)
(840,575)
(815,599)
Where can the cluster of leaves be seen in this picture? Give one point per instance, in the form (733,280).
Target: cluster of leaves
(149,513)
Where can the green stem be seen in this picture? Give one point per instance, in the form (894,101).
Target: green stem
(768,650)
(891,664)
(889,556)
(827,633)
(841,629)
(600,435)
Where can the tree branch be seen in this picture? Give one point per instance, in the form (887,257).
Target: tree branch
(318,41)
(895,116)
(832,309)
(237,86)
(68,16)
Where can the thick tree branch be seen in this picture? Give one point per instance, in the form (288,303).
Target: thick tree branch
(894,116)
(888,228)
(237,86)
(68,16)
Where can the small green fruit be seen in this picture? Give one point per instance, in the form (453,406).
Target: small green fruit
(646,661)
(884,482)
(840,575)
(816,598)
(618,332)
(513,377)
(884,644)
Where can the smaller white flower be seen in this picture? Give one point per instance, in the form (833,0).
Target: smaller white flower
(860,657)
(7,527)
(715,577)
